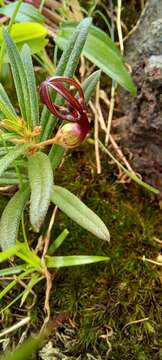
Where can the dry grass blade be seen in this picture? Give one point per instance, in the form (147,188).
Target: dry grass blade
(120,154)
(110,115)
(48,235)
(135,322)
(15,326)
(96,130)
(119,27)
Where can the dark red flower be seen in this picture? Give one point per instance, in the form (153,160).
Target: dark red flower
(73,133)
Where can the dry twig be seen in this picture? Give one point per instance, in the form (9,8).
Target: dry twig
(110,115)
(96,129)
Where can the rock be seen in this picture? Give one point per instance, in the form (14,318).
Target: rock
(141,130)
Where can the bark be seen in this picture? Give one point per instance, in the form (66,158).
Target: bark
(141,128)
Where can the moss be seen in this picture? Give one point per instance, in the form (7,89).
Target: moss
(96,308)
(104,301)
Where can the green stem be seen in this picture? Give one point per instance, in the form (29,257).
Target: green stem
(19,176)
(12,20)
(45,62)
(24,230)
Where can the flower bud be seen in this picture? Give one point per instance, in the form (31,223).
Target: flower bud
(70,135)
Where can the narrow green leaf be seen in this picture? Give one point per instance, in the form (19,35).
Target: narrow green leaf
(11,178)
(67,66)
(7,101)
(27,349)
(26,13)
(101,51)
(7,289)
(83,29)
(70,57)
(19,76)
(57,242)
(6,109)
(33,281)
(11,216)
(62,261)
(12,270)
(56,155)
(30,76)
(12,302)
(12,174)
(35,263)
(41,180)
(6,136)
(28,255)
(79,212)
(4,150)
(6,254)
(89,84)
(9,181)
(13,283)
(12,155)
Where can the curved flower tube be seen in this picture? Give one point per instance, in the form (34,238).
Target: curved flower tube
(72,134)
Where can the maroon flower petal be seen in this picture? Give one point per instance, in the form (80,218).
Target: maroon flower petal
(69,135)
(72,82)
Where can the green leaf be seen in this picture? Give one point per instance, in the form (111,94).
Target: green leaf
(4,149)
(12,155)
(6,136)
(58,241)
(79,212)
(13,283)
(66,67)
(56,155)
(30,76)
(11,178)
(3,310)
(12,270)
(19,76)
(102,52)
(27,349)
(33,281)
(28,256)
(41,181)
(9,181)
(11,216)
(6,108)
(32,34)
(89,84)
(4,98)
(6,254)
(62,261)
(26,13)
(7,288)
